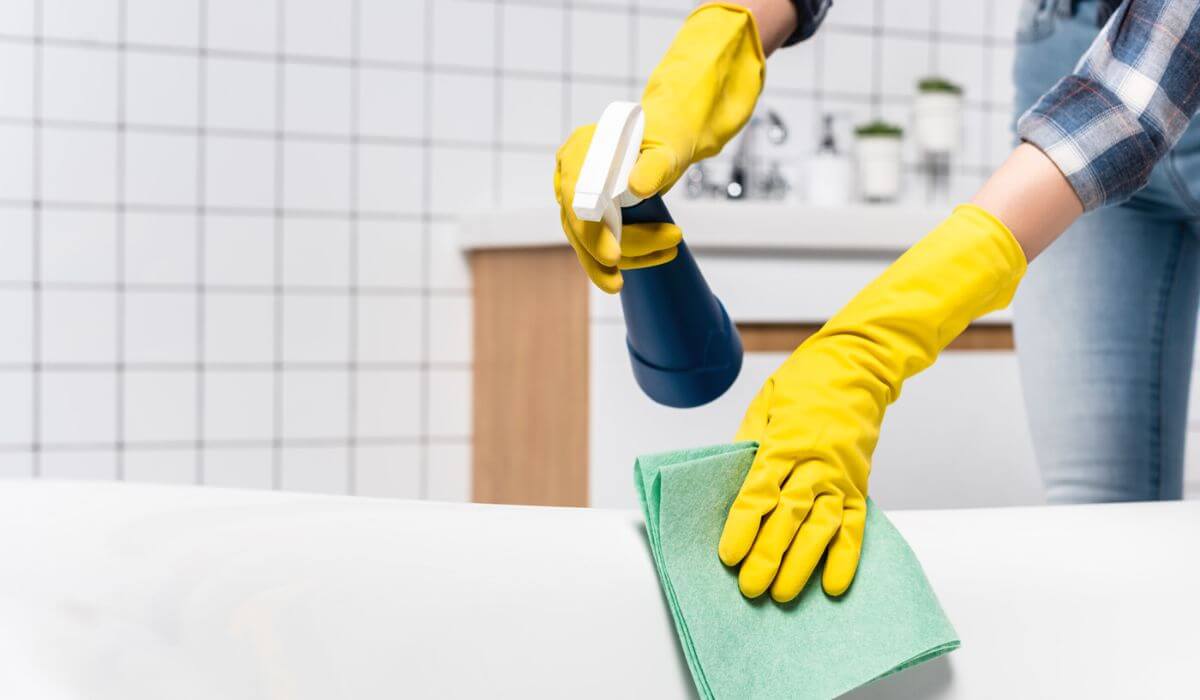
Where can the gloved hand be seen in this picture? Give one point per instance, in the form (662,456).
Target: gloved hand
(700,95)
(817,418)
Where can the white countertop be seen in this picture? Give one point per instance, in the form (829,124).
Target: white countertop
(731,227)
(124,591)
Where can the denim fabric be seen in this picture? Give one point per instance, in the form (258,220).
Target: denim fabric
(1106,317)
(1113,116)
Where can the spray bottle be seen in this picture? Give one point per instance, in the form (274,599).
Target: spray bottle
(684,349)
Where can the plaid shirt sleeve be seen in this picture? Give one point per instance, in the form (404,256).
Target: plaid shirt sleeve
(809,14)
(1127,103)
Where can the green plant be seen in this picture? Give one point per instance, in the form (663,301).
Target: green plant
(935,84)
(878,128)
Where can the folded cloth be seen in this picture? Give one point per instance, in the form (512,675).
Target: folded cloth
(813,647)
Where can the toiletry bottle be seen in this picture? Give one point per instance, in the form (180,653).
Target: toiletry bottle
(828,171)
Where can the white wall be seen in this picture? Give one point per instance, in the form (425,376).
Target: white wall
(228,251)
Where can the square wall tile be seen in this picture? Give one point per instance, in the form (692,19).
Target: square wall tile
(160,466)
(316,176)
(392,31)
(16,75)
(390,328)
(388,471)
(316,252)
(315,469)
(463,180)
(464,33)
(317,98)
(240,93)
(450,329)
(533,37)
(387,403)
(160,406)
(600,43)
(911,15)
(390,254)
(906,62)
(856,13)
(242,468)
(794,67)
(962,17)
(163,22)
(239,327)
(78,246)
(16,313)
(16,408)
(450,403)
(848,64)
(315,404)
(161,89)
(1003,18)
(654,35)
(88,466)
(239,405)
(68,19)
(962,64)
(464,108)
(160,327)
(317,27)
(526,179)
(588,100)
(532,111)
(239,250)
(78,407)
(16,465)
(79,166)
(160,169)
(16,265)
(242,26)
(448,266)
(1000,137)
(449,472)
(79,326)
(316,328)
(16,17)
(239,172)
(391,179)
(16,162)
(160,248)
(1001,87)
(79,84)
(391,102)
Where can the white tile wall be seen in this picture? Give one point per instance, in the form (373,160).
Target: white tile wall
(243,271)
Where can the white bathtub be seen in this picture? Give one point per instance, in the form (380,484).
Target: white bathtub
(118,591)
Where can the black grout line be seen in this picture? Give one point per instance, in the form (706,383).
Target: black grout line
(277,404)
(352,374)
(36,272)
(119,257)
(200,244)
(424,389)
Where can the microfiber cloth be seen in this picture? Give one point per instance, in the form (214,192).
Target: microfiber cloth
(814,647)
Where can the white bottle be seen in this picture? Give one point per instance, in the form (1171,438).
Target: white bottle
(828,171)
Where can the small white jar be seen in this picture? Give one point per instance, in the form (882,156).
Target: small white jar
(878,160)
(938,121)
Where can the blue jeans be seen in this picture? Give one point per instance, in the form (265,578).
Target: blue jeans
(1106,317)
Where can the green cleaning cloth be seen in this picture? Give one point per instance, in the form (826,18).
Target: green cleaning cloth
(813,647)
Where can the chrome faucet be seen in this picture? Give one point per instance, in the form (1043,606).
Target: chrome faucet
(750,175)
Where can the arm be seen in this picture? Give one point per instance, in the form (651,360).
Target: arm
(1090,141)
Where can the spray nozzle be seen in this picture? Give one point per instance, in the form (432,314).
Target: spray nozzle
(603,185)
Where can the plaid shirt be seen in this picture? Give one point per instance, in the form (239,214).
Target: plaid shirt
(1129,100)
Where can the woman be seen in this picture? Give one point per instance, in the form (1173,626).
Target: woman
(1104,330)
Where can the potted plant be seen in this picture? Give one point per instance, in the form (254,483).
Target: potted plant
(877,151)
(938,115)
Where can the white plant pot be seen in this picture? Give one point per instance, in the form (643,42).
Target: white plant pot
(938,122)
(878,159)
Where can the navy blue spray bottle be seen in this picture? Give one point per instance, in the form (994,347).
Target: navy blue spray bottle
(684,350)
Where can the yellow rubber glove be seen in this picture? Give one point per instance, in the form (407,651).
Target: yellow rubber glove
(700,95)
(817,418)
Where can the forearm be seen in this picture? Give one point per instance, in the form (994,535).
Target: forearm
(776,20)
(1031,197)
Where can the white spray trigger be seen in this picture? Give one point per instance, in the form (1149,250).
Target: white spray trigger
(603,185)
